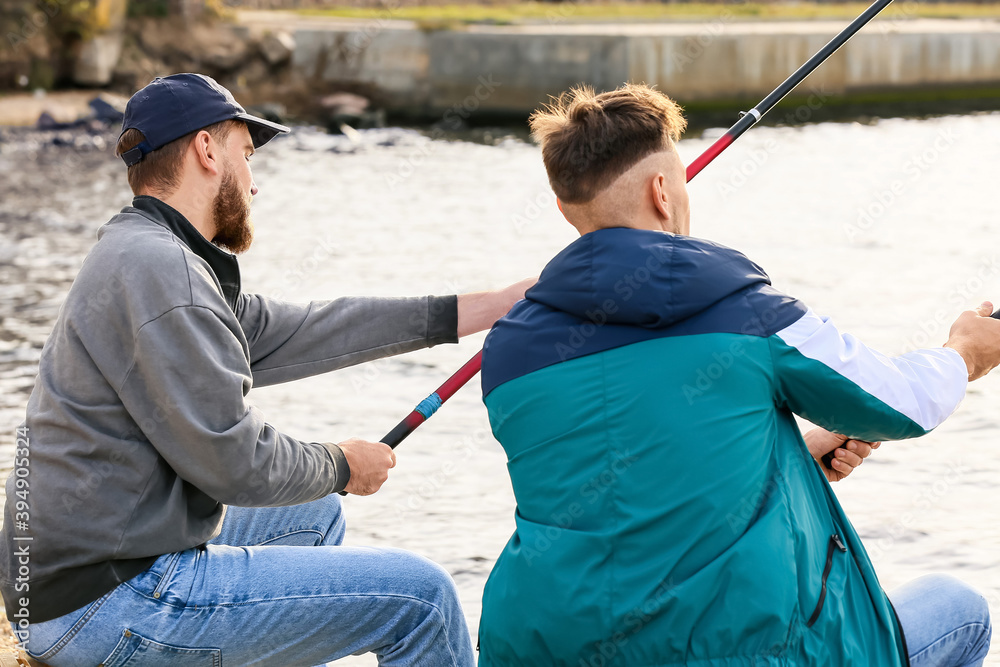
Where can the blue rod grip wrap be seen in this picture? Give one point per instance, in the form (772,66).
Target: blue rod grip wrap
(429,405)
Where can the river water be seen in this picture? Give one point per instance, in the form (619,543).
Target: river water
(888,227)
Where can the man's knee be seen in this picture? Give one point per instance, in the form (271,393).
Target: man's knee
(330,512)
(329,506)
(955,599)
(943,618)
(959,596)
(425,578)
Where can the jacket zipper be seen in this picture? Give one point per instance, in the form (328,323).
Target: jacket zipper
(834,543)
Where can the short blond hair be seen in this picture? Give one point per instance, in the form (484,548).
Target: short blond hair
(588,140)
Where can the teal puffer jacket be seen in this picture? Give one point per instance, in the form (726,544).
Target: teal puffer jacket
(668,511)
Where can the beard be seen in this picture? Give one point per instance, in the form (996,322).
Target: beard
(231,214)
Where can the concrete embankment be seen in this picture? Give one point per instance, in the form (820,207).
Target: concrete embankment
(511,69)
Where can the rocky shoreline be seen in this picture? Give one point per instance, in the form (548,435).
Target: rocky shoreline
(256,66)
(352,73)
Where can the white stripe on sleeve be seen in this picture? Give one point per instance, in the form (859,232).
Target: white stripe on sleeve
(926,385)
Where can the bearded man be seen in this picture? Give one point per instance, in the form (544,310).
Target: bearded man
(142,387)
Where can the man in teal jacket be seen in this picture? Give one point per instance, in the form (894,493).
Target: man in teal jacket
(668,510)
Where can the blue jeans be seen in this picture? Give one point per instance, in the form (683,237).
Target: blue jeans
(274,588)
(946,622)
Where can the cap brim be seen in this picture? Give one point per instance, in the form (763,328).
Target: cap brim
(261,131)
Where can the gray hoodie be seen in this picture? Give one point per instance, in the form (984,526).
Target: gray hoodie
(138,429)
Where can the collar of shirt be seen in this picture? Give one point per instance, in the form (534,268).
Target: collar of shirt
(222,263)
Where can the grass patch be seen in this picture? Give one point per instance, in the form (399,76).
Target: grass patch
(568,12)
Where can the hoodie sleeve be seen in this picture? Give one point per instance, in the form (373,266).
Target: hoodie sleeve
(834,380)
(290,341)
(187,390)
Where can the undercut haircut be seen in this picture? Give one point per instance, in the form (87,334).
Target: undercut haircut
(159,171)
(589,140)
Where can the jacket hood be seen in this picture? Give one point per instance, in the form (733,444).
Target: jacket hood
(642,277)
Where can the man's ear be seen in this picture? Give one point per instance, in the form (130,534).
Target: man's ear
(658,191)
(207,152)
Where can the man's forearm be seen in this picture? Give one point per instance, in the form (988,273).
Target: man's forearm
(479,310)
(291,341)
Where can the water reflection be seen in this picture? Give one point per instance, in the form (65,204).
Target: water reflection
(887,227)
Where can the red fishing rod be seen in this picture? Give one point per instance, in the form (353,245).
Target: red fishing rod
(430,405)
(747,120)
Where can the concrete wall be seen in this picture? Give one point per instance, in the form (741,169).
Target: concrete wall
(514,68)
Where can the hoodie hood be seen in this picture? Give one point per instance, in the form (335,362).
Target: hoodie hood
(615,287)
(653,279)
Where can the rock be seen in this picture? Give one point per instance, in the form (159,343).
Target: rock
(97,60)
(136,68)
(224,56)
(219,47)
(96,116)
(102,25)
(189,9)
(59,117)
(208,47)
(344,103)
(347,109)
(250,75)
(107,109)
(47,122)
(277,47)
(272,111)
(159,40)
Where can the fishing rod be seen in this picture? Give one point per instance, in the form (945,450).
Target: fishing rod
(748,119)
(430,405)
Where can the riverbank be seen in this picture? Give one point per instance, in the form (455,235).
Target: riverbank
(476,64)
(482,70)
(431,14)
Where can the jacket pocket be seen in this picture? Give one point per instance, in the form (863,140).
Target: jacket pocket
(835,544)
(134,650)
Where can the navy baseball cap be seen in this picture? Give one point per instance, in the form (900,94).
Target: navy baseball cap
(172,106)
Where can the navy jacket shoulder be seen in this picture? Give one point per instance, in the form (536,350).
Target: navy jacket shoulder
(620,286)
